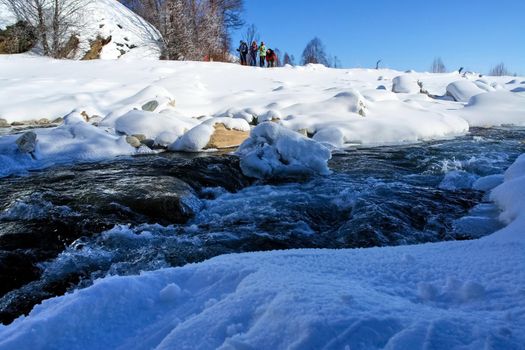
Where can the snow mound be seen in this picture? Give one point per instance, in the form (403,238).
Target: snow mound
(463,90)
(273,151)
(74,141)
(405,84)
(449,295)
(510,197)
(152,125)
(495,108)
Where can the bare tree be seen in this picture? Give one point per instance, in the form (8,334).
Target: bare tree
(251,34)
(192,29)
(315,52)
(438,66)
(499,70)
(336,62)
(54,21)
(278,57)
(287,59)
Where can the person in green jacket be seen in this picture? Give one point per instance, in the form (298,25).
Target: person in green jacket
(262,54)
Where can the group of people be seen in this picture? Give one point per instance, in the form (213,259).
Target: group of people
(249,54)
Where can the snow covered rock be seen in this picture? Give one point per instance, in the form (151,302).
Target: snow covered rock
(273,151)
(405,84)
(151,124)
(216,133)
(463,90)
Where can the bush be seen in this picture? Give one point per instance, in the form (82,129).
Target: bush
(17,38)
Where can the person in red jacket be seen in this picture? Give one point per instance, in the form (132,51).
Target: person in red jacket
(271,58)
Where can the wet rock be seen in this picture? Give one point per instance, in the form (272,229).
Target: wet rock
(223,137)
(27,142)
(133,141)
(43,121)
(149,143)
(150,106)
(162,199)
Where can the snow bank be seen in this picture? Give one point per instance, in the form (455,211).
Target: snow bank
(274,151)
(75,141)
(463,90)
(450,295)
(510,197)
(495,108)
(152,125)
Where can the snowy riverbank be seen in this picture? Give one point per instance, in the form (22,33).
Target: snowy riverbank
(179,105)
(448,295)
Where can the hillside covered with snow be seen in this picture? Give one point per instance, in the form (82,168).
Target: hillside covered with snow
(122,33)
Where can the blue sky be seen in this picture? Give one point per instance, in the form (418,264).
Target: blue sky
(405,34)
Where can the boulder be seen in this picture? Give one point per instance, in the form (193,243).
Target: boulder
(133,141)
(223,137)
(405,84)
(27,142)
(150,106)
(140,137)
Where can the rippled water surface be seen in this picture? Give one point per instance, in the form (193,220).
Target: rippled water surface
(62,227)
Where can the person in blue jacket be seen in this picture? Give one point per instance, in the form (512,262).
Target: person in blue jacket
(243,52)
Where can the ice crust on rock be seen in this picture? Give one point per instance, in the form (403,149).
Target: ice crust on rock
(273,151)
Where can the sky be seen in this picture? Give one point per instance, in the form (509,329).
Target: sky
(404,34)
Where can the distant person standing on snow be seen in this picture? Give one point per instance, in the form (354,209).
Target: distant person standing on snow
(271,57)
(262,54)
(253,54)
(243,52)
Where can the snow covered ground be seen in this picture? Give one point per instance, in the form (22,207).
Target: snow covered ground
(337,107)
(449,295)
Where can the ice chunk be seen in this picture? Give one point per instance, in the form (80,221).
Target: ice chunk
(273,151)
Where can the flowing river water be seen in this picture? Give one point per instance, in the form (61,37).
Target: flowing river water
(63,227)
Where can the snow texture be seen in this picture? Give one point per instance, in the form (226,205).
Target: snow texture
(176,103)
(463,90)
(273,151)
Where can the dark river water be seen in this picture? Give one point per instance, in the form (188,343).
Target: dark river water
(62,227)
